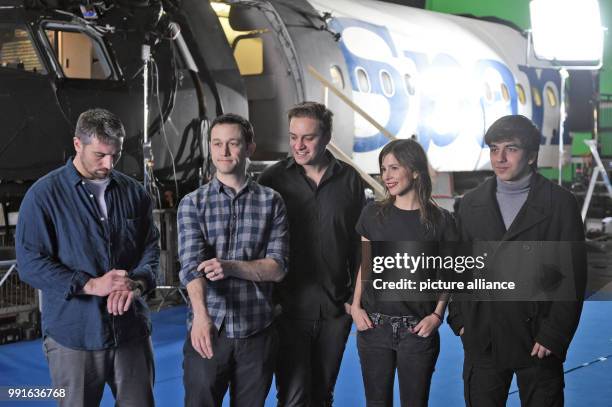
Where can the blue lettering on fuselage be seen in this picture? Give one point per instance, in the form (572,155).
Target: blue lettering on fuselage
(429,105)
(398,101)
(479,111)
(496,105)
(538,79)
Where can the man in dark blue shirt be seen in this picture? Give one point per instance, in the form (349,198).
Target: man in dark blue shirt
(86,239)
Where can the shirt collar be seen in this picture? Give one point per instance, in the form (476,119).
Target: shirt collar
(290,162)
(75,178)
(220,187)
(334,165)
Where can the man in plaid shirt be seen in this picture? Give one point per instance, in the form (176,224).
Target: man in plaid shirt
(233,247)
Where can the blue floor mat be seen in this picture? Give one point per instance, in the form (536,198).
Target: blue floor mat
(24,364)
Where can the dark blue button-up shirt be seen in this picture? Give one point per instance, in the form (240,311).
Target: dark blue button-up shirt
(63,240)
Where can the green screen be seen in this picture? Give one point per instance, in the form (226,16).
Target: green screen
(517,11)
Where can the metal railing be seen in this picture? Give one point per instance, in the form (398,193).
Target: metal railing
(328,86)
(19,306)
(15,295)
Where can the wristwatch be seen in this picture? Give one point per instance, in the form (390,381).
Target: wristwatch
(138,285)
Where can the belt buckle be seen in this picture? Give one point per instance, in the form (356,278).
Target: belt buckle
(410,322)
(376,318)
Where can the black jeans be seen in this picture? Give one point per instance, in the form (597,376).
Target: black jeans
(386,347)
(486,385)
(309,359)
(245,365)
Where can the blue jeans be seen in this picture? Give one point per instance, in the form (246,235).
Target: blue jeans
(389,346)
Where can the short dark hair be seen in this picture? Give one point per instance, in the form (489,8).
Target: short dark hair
(316,111)
(515,127)
(99,123)
(246,128)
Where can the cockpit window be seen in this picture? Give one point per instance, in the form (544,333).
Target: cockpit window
(245,36)
(17,50)
(80,56)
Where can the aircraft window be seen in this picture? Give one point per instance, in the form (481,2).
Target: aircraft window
(221,9)
(409,84)
(248,53)
(386,83)
(79,55)
(537,97)
(363,81)
(505,93)
(337,77)
(17,50)
(520,91)
(551,97)
(247,45)
(488,92)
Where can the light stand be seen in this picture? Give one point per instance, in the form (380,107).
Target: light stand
(569,35)
(147,153)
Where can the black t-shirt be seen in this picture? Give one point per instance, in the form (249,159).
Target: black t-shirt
(398,225)
(391,225)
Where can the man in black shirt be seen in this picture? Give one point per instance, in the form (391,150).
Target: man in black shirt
(324,198)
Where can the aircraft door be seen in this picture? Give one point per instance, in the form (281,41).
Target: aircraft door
(317,45)
(274,43)
(252,31)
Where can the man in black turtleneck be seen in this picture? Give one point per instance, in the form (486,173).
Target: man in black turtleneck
(503,338)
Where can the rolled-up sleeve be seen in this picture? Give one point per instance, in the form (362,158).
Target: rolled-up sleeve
(278,244)
(190,239)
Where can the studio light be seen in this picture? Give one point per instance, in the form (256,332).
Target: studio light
(567,32)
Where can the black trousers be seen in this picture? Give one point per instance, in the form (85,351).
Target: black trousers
(309,360)
(245,365)
(383,349)
(486,385)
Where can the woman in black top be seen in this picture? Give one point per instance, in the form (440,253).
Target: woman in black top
(400,334)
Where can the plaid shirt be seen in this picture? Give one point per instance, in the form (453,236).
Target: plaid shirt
(215,221)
